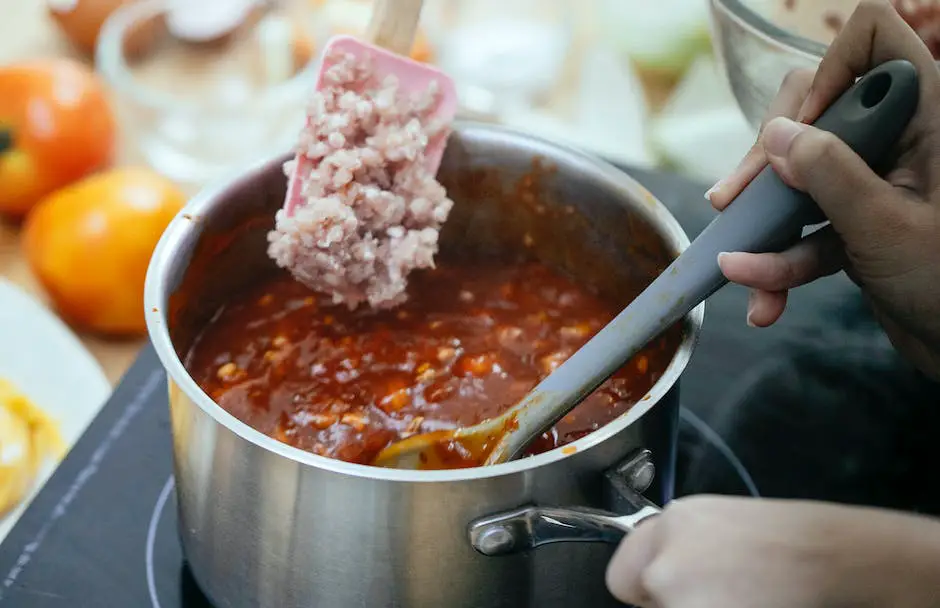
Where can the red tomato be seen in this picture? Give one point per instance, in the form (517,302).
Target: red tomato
(55,127)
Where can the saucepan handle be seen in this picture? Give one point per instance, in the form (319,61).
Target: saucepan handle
(533,526)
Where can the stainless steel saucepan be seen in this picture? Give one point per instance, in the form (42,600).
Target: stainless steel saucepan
(266,524)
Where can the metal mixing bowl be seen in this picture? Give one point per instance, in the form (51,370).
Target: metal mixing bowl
(757,52)
(759,41)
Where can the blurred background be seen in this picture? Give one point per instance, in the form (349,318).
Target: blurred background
(632,80)
(160,97)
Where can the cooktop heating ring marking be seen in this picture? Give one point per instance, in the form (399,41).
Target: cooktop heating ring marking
(81,479)
(712,436)
(152,538)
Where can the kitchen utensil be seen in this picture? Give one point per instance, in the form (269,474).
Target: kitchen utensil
(390,36)
(266,524)
(870,117)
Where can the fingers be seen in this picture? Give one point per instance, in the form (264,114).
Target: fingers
(765,307)
(770,275)
(874,34)
(864,209)
(817,255)
(633,556)
(721,194)
(788,102)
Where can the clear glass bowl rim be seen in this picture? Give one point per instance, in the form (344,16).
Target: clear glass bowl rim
(111,63)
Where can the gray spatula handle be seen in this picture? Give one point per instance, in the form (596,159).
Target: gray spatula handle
(870,117)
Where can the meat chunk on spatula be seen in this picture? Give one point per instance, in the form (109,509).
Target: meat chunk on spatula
(363,207)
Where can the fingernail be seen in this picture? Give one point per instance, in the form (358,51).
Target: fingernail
(750,309)
(713,190)
(779,135)
(726,256)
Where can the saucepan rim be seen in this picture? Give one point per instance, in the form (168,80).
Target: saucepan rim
(182,234)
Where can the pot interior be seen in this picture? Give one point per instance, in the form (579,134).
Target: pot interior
(515,199)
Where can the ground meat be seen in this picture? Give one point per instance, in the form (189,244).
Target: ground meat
(473,338)
(371,210)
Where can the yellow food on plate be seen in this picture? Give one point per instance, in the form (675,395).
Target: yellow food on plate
(28,439)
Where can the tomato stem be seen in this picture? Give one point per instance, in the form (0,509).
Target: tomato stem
(6,140)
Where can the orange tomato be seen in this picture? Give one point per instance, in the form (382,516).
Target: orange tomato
(90,244)
(55,127)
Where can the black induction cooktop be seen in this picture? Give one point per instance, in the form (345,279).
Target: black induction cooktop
(819,406)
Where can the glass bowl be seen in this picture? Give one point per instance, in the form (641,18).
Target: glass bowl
(759,41)
(197,110)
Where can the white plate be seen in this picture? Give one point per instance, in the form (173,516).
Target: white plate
(45,361)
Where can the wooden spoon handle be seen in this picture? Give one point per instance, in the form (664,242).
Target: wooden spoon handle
(393,24)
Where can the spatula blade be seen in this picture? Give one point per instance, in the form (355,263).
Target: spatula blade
(413,77)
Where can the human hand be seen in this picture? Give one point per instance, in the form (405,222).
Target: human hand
(709,551)
(885,232)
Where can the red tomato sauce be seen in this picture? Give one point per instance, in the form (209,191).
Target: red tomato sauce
(469,343)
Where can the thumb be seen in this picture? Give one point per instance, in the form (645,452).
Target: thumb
(862,207)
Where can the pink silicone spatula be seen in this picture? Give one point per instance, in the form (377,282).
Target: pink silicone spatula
(388,41)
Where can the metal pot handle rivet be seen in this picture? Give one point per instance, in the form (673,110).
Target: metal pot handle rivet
(533,526)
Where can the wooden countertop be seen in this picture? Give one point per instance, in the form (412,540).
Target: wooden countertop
(26,32)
